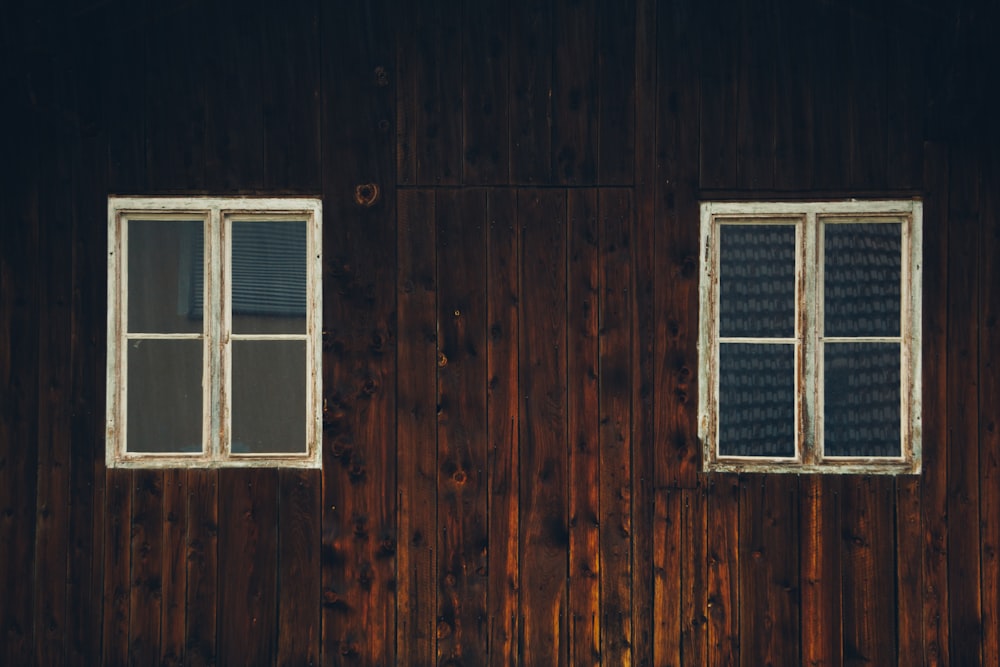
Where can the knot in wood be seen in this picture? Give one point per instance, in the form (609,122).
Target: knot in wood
(442,360)
(366,194)
(381,77)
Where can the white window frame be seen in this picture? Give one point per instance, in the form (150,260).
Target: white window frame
(218,214)
(808,339)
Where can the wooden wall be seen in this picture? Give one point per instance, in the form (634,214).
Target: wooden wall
(511,470)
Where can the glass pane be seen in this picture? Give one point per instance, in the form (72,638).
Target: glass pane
(165,276)
(164,396)
(861,399)
(269,396)
(757,280)
(756,399)
(269,277)
(862,277)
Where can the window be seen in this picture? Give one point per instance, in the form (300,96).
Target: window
(809,337)
(214,315)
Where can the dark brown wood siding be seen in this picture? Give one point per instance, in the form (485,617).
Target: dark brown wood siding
(511,467)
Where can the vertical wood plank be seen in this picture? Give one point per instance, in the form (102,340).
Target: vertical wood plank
(793,80)
(867,94)
(644,334)
(544,518)
(359,474)
(723,571)
(676,250)
(461,399)
(989,395)
(19,392)
(756,96)
(822,607)
(934,482)
(909,573)
(575,110)
(439,93)
(176,110)
(55,287)
(201,621)
(502,293)
(831,152)
(530,104)
(964,601)
(234,110)
(485,72)
(868,562)
(145,583)
(416,360)
(299,496)
(173,621)
(616,73)
(615,217)
(290,90)
(905,95)
(769,570)
(117,567)
(248,561)
(667,578)
(406,94)
(719,26)
(54,377)
(125,69)
(694,586)
(585,554)
(90,186)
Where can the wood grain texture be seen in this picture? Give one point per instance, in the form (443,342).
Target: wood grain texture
(718,116)
(502,293)
(542,355)
(694,561)
(723,603)
(615,231)
(299,577)
(531,80)
(868,570)
(485,74)
(821,571)
(203,576)
(867,99)
(616,83)
(676,249)
(574,93)
(461,421)
(934,480)
(117,567)
(417,427)
(989,395)
(248,535)
(755,136)
(964,601)
(831,140)
(909,573)
(584,295)
(769,570)
(173,617)
(146,580)
(793,97)
(667,581)
(55,285)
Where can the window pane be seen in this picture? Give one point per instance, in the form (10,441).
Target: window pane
(757,280)
(269,396)
(861,399)
(861,276)
(164,396)
(756,400)
(165,276)
(269,276)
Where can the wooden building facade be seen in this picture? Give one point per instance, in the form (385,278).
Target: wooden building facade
(511,469)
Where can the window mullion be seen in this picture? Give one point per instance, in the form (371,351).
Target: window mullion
(214,276)
(809,324)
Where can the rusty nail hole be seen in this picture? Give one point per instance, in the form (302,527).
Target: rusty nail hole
(366,194)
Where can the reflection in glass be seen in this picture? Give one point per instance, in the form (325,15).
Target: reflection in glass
(757,280)
(269,396)
(861,413)
(165,276)
(756,399)
(164,396)
(862,274)
(269,276)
